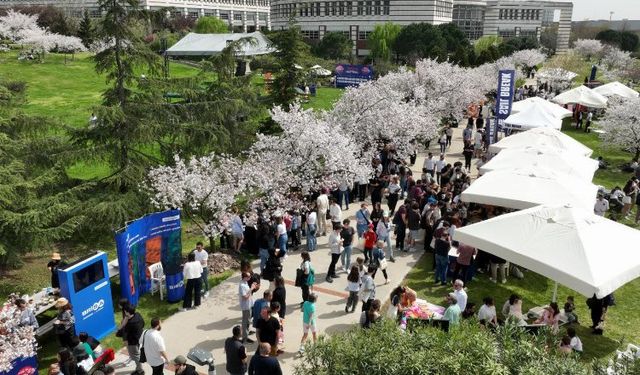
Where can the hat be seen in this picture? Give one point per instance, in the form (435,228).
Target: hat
(56,256)
(179,360)
(61,302)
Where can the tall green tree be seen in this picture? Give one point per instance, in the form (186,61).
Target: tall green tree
(382,40)
(290,51)
(625,40)
(517,44)
(86,31)
(334,46)
(211,25)
(39,204)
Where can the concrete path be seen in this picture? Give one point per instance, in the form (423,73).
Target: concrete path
(209,326)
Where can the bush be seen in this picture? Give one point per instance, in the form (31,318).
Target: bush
(470,348)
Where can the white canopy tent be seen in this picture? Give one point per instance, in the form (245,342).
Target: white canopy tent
(320,71)
(533,116)
(540,157)
(555,74)
(616,88)
(212,44)
(530,186)
(581,95)
(556,110)
(569,245)
(541,137)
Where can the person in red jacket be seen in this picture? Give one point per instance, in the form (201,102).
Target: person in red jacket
(369,242)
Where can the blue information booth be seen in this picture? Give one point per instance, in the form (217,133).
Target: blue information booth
(85,283)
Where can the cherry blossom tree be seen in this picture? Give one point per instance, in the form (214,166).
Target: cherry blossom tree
(14,24)
(615,63)
(588,48)
(528,58)
(621,125)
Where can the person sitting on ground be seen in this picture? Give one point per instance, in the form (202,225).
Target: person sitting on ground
(512,310)
(487,314)
(452,313)
(576,343)
(367,318)
(565,345)
(550,317)
(569,307)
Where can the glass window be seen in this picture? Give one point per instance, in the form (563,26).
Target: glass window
(360,8)
(387,7)
(369,7)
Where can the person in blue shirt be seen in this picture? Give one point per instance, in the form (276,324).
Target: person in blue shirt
(262,303)
(452,313)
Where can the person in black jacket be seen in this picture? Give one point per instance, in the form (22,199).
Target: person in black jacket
(262,364)
(132,330)
(67,363)
(182,368)
(280,295)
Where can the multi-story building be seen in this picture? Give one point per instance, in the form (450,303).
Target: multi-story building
(242,15)
(514,18)
(357,18)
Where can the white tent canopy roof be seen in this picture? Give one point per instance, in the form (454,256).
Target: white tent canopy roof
(581,95)
(541,137)
(318,70)
(212,44)
(553,108)
(530,186)
(616,88)
(533,116)
(540,157)
(572,246)
(556,74)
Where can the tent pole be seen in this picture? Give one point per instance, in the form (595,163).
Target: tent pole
(555,292)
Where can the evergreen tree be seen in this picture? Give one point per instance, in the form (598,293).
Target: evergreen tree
(85,30)
(334,46)
(290,49)
(39,204)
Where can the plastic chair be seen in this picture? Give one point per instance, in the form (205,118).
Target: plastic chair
(156,274)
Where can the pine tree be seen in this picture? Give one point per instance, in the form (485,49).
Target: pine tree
(290,49)
(86,32)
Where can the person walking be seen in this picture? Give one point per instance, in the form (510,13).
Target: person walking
(393,191)
(383,232)
(269,327)
(246,303)
(336,214)
(154,347)
(322,204)
(312,228)
(449,133)
(442,142)
(265,239)
(309,320)
(335,244)
(379,261)
(353,287)
(369,241)
(346,234)
(368,293)
(237,229)
(203,257)
(236,353)
(439,165)
(263,364)
(281,237)
(400,222)
(192,272)
(309,273)
(363,218)
(131,332)
(467,151)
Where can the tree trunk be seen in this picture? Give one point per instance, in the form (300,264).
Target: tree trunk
(637,153)
(212,244)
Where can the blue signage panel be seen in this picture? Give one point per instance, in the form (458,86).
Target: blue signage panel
(23,366)
(352,75)
(86,285)
(151,239)
(504,98)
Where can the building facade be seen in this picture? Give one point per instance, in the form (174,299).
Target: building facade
(514,18)
(358,18)
(242,15)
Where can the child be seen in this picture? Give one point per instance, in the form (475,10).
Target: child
(275,309)
(309,320)
(569,308)
(353,286)
(576,343)
(361,270)
(369,241)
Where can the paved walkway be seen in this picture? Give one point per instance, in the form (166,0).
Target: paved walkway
(209,326)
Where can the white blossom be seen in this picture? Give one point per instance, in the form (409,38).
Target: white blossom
(621,125)
(15,341)
(588,48)
(528,57)
(13,24)
(616,64)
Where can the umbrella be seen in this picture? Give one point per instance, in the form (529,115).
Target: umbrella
(541,137)
(530,186)
(581,95)
(616,88)
(533,116)
(553,108)
(540,157)
(572,246)
(320,71)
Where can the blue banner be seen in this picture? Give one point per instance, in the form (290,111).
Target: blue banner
(504,97)
(352,75)
(85,283)
(23,366)
(146,241)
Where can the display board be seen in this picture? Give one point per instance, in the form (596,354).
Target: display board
(352,75)
(504,98)
(151,239)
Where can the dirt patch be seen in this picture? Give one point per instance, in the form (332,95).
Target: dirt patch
(220,262)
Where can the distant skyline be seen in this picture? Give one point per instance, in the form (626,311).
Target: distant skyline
(599,9)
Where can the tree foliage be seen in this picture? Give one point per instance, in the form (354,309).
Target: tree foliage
(422,40)
(382,40)
(334,46)
(211,25)
(464,349)
(86,30)
(39,204)
(621,125)
(512,45)
(50,18)
(625,40)
(290,51)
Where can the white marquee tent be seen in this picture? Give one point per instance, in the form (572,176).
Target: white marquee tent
(533,116)
(540,157)
(572,246)
(541,137)
(616,88)
(212,44)
(556,74)
(530,186)
(581,95)
(555,109)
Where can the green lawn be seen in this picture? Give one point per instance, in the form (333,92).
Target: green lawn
(324,99)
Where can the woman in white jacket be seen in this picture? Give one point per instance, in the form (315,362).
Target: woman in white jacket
(383,231)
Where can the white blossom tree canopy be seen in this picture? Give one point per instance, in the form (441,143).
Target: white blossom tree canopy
(588,48)
(13,24)
(621,125)
(528,58)
(24,29)
(616,64)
